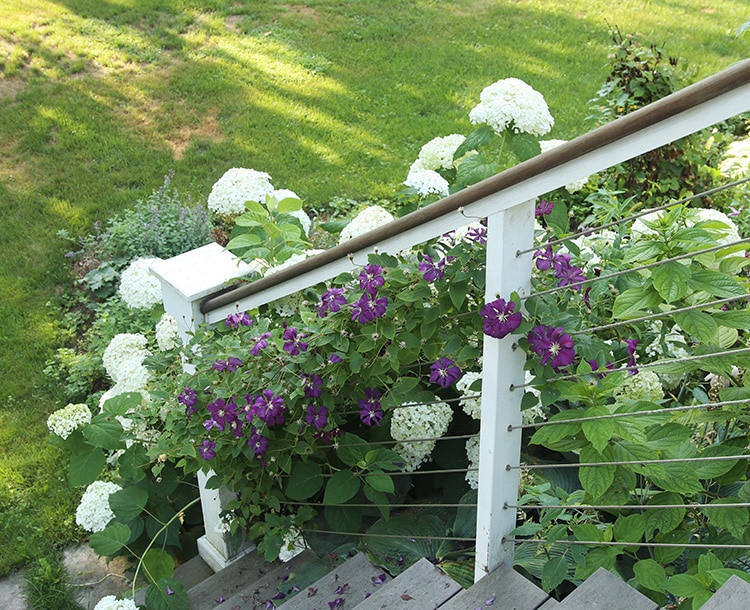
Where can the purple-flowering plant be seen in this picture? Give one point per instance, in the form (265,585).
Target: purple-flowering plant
(269,408)
(499,318)
(544,208)
(293,341)
(431,270)
(229,365)
(632,345)
(569,275)
(444,372)
(478,235)
(235,320)
(367,308)
(553,345)
(331,301)
(259,343)
(316,416)
(258,443)
(370,411)
(335,358)
(371,278)
(207,449)
(222,412)
(312,385)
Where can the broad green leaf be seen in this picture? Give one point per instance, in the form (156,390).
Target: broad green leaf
(599,431)
(290,204)
(341,487)
(733,319)
(554,572)
(667,554)
(725,337)
(670,280)
(473,169)
(457,292)
(596,480)
(684,585)
(246,240)
(734,520)
(633,302)
(663,519)
(477,138)
(167,594)
(132,464)
(306,480)
(707,562)
(629,528)
(157,564)
(720,285)
(380,482)
(344,518)
(379,499)
(650,575)
(128,503)
(111,539)
(677,477)
(525,146)
(86,467)
(104,431)
(698,324)
(643,251)
(722,575)
(122,403)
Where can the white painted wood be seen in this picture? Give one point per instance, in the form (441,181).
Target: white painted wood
(186,279)
(507,232)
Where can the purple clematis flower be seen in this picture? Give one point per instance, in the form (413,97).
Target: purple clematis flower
(367,308)
(294,344)
(317,416)
(444,372)
(270,408)
(207,449)
(222,412)
(553,345)
(432,271)
(335,359)
(370,411)
(230,365)
(235,320)
(499,318)
(259,343)
(371,278)
(544,208)
(331,301)
(258,443)
(632,345)
(478,235)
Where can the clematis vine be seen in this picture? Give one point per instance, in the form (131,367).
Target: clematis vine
(235,320)
(370,411)
(499,318)
(553,344)
(371,278)
(444,372)
(331,301)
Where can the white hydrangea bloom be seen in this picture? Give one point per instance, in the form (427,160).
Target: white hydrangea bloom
(571,187)
(438,152)
(123,360)
(645,385)
(110,602)
(472,453)
(511,103)
(736,161)
(93,513)
(368,219)
(238,185)
(292,545)
(426,181)
(167,336)
(71,417)
(139,288)
(470,402)
(413,421)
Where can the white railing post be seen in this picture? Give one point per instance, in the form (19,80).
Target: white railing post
(507,232)
(186,279)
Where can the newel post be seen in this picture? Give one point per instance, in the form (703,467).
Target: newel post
(186,279)
(508,232)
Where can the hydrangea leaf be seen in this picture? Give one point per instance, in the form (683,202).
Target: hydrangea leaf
(167,594)
(670,280)
(122,403)
(111,539)
(105,431)
(344,518)
(85,467)
(157,564)
(306,480)
(341,487)
(380,482)
(525,146)
(128,503)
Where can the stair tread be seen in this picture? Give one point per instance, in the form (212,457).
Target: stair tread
(253,593)
(227,582)
(353,581)
(505,586)
(732,595)
(420,587)
(605,590)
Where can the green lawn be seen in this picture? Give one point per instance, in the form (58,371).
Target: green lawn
(100,99)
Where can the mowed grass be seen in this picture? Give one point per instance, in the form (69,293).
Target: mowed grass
(100,99)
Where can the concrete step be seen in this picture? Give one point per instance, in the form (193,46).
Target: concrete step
(603,590)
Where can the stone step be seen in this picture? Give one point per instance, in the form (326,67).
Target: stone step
(420,587)
(734,594)
(352,582)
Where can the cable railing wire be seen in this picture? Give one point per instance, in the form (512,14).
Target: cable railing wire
(395,536)
(672,545)
(622,506)
(716,458)
(585,232)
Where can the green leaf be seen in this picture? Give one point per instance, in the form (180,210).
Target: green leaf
(157,564)
(380,482)
(670,280)
(479,137)
(525,146)
(698,324)
(676,477)
(341,487)
(457,292)
(379,499)
(246,240)
(596,480)
(167,594)
(663,519)
(290,204)
(306,480)
(132,464)
(633,302)
(599,431)
(720,285)
(344,518)
(643,251)
(111,539)
(104,431)
(352,449)
(473,169)
(128,503)
(554,572)
(629,528)
(122,403)
(733,319)
(684,585)
(86,467)
(734,520)
(650,575)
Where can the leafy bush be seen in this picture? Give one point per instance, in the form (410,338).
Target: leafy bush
(46,585)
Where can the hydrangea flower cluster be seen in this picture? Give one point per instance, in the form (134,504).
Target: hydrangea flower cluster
(472,454)
(238,185)
(736,161)
(110,602)
(512,104)
(368,219)
(93,513)
(123,360)
(471,401)
(438,153)
(426,181)
(167,335)
(643,386)
(71,417)
(301,215)
(292,545)
(140,289)
(416,426)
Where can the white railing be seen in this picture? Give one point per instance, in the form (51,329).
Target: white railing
(195,283)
